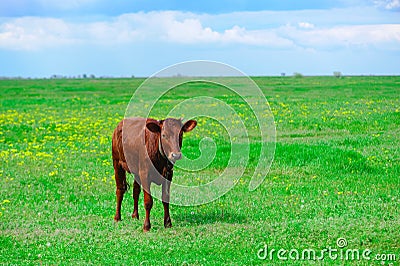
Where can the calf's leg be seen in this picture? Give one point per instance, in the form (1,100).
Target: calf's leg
(165,200)
(136,192)
(120,180)
(148,204)
(148,199)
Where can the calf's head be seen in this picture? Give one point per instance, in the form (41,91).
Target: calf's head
(170,132)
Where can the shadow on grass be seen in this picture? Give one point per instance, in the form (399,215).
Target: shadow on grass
(322,157)
(208,217)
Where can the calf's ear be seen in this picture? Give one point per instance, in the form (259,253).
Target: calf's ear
(189,125)
(153,127)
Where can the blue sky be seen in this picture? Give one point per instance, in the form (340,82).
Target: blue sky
(39,38)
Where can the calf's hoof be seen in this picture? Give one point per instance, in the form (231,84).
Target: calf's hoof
(135,215)
(117,218)
(146,227)
(167,223)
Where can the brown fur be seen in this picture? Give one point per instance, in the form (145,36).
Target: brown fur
(136,150)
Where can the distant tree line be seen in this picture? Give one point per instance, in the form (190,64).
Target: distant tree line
(83,76)
(336,74)
(57,76)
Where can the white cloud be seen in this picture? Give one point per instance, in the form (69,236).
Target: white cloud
(345,36)
(31,33)
(189,31)
(306,25)
(268,38)
(388,4)
(188,28)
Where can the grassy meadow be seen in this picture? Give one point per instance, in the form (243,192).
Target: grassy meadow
(335,175)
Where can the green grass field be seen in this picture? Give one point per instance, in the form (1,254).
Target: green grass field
(335,175)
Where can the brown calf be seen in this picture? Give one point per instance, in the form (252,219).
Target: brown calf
(148,148)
